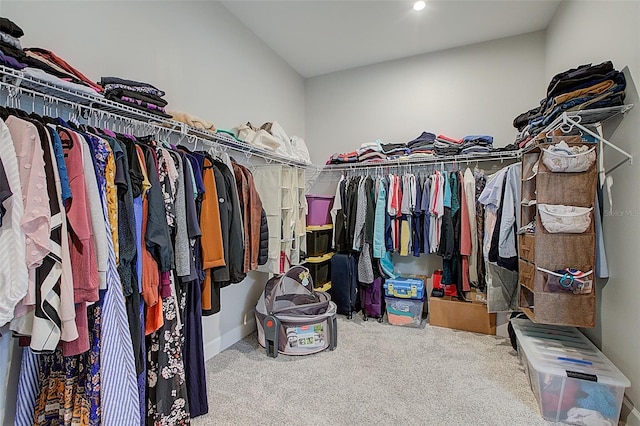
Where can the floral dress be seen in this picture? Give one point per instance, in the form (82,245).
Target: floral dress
(167,402)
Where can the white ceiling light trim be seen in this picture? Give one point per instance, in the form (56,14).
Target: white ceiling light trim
(419,5)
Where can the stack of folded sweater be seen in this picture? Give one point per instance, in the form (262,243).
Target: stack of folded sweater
(347,157)
(371,151)
(476,144)
(11,54)
(445,145)
(142,96)
(423,145)
(586,87)
(394,150)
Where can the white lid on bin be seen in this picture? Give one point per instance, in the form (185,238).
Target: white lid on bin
(565,351)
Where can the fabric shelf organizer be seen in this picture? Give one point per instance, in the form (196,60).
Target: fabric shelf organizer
(564,233)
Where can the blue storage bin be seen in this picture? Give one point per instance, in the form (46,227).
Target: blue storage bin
(404,288)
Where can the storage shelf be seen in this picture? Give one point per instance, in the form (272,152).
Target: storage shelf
(435,160)
(312,228)
(97,105)
(326,287)
(529,312)
(319,259)
(522,284)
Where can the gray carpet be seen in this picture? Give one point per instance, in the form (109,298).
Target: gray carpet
(379,375)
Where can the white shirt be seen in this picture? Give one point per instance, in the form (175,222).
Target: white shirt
(14,276)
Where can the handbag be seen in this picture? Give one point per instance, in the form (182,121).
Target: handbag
(446,290)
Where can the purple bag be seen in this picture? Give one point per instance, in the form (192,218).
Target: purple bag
(372,300)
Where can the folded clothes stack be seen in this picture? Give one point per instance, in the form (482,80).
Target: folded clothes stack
(347,157)
(11,54)
(586,87)
(445,145)
(54,65)
(370,152)
(394,149)
(142,96)
(423,145)
(40,64)
(476,144)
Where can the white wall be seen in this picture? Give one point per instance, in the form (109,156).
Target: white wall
(208,63)
(468,90)
(592,32)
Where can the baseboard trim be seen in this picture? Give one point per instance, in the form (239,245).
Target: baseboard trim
(630,413)
(222,342)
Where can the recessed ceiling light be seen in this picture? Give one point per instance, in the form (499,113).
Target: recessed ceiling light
(419,5)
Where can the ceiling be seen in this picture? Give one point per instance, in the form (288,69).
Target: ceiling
(319,37)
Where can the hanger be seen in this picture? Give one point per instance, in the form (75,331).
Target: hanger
(66,140)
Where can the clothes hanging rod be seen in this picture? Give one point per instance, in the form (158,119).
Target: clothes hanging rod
(17,83)
(572,121)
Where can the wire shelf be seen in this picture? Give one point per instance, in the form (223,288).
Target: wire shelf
(22,83)
(435,160)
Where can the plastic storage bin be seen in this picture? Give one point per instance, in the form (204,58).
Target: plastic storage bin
(319,240)
(404,288)
(572,380)
(319,209)
(406,312)
(320,269)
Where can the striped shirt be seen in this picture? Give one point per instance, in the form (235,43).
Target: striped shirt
(119,398)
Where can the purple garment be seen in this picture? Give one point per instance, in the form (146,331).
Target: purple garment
(11,62)
(144,104)
(142,377)
(137,211)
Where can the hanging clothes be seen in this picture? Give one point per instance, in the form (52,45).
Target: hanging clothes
(469,186)
(14,274)
(502,273)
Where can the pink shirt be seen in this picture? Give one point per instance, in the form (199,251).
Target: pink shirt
(81,244)
(36,221)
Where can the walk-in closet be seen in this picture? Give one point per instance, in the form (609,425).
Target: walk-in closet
(347,213)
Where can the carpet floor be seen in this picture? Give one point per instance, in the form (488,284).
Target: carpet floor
(378,375)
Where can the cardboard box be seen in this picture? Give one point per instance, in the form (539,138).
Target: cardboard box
(445,312)
(477,296)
